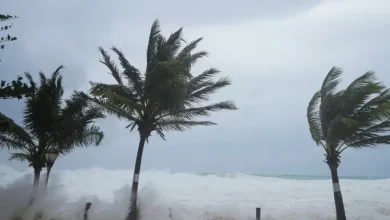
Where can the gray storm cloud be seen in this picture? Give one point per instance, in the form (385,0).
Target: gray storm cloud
(275,52)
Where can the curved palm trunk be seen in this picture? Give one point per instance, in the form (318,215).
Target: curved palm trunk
(338,198)
(134,187)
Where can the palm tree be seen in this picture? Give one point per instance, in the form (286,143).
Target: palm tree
(50,124)
(75,127)
(165,98)
(355,117)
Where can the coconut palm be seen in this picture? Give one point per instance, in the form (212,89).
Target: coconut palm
(50,124)
(165,98)
(75,127)
(355,117)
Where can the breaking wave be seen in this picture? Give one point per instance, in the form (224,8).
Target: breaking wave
(184,196)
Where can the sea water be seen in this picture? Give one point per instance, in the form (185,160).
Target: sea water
(193,196)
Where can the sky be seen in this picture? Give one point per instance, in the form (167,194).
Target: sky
(275,52)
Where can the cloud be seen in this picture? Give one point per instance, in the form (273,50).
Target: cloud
(276,54)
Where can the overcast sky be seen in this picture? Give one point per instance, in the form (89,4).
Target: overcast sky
(276,53)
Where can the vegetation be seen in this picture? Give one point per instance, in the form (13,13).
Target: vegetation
(16,89)
(165,98)
(48,124)
(355,117)
(6,27)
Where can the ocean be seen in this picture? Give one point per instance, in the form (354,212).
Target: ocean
(185,196)
(307,177)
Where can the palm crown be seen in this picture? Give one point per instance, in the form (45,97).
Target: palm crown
(50,123)
(358,116)
(167,96)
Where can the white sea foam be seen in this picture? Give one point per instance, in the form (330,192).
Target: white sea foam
(190,197)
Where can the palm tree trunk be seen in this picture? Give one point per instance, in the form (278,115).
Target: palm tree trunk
(37,175)
(134,188)
(47,176)
(338,198)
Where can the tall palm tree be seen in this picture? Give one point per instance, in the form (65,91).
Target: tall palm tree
(355,117)
(165,98)
(50,124)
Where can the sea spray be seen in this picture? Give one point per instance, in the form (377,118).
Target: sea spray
(186,196)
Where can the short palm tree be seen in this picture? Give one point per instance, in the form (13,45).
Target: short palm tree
(355,117)
(50,124)
(75,127)
(165,98)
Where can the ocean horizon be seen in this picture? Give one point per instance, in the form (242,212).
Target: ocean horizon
(301,177)
(8,169)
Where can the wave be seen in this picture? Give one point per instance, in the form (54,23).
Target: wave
(189,196)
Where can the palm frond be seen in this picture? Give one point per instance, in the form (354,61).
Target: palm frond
(16,137)
(371,132)
(370,141)
(5,122)
(202,80)
(132,74)
(330,108)
(189,48)
(196,56)
(202,94)
(43,79)
(382,127)
(30,80)
(83,138)
(331,82)
(382,98)
(123,101)
(98,89)
(10,143)
(91,114)
(314,118)
(20,157)
(376,109)
(114,71)
(358,92)
(171,69)
(166,81)
(173,43)
(190,113)
(56,74)
(152,45)
(181,125)
(112,108)
(74,104)
(92,135)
